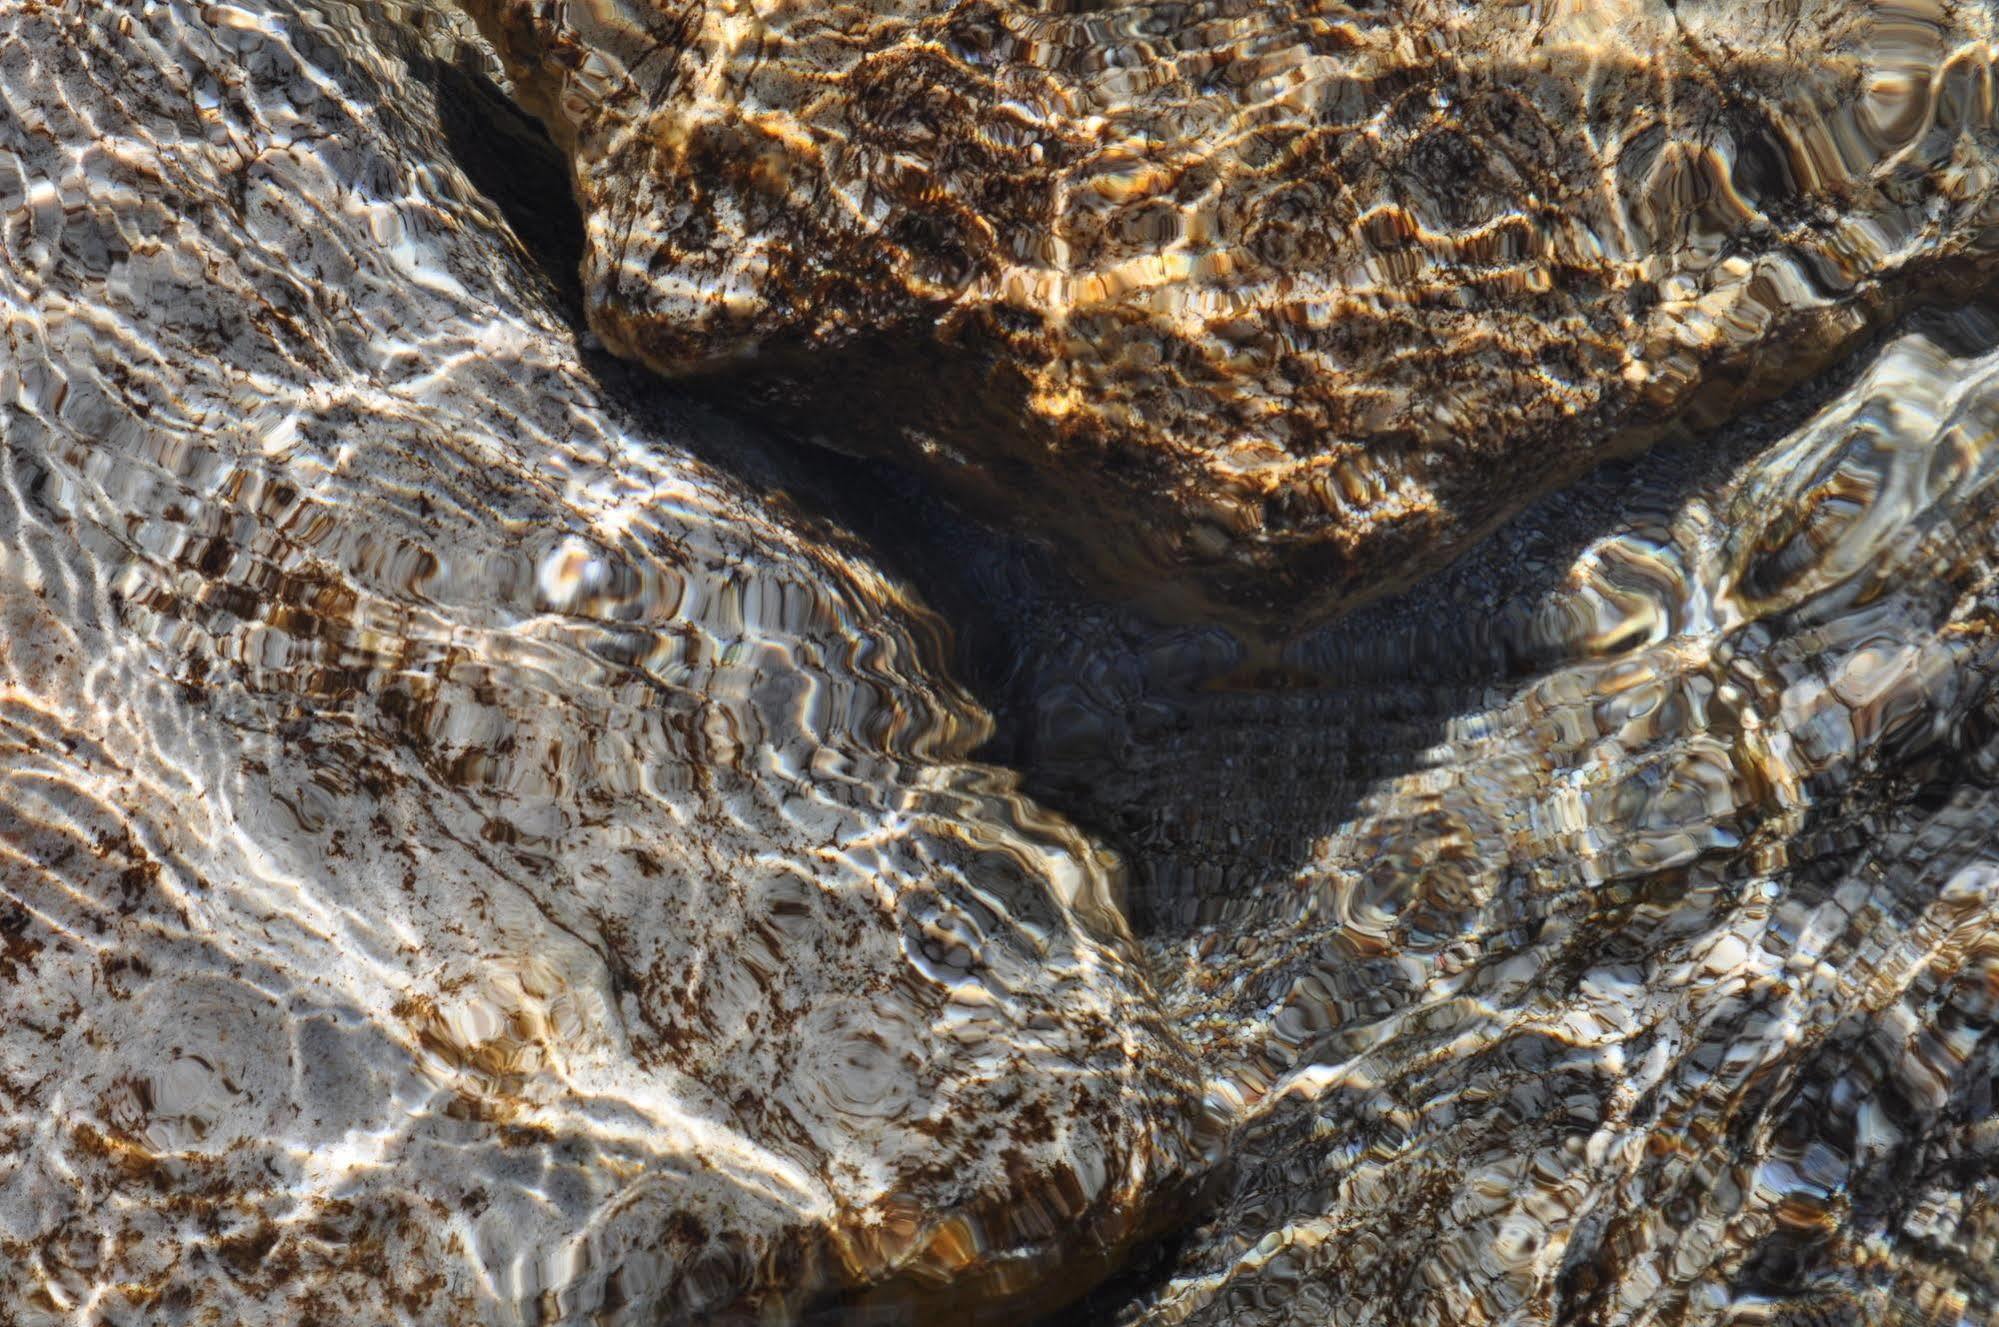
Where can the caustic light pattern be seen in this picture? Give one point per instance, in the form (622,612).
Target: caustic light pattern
(1265,306)
(476,848)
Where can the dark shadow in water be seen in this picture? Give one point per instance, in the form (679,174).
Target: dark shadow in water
(510,158)
(1212,777)
(1208,775)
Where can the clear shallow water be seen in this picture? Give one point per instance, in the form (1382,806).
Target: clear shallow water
(1652,984)
(469,858)
(1259,309)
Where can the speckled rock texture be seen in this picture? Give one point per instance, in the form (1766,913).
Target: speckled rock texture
(1640,963)
(1262,308)
(463,861)
(476,849)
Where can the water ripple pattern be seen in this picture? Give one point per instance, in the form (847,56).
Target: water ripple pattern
(1266,306)
(1652,979)
(467,859)
(461,859)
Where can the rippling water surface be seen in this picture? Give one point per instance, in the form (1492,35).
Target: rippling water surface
(1260,307)
(482,841)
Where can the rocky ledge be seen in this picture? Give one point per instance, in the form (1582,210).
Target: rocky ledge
(1261,309)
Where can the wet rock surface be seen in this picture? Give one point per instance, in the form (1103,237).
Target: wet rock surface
(466,860)
(1262,308)
(483,840)
(1651,984)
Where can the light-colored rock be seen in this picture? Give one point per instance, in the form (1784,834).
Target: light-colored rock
(462,860)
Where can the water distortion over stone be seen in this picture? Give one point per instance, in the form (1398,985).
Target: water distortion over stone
(474,850)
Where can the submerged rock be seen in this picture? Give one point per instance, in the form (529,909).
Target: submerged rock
(462,859)
(472,851)
(1638,960)
(1265,308)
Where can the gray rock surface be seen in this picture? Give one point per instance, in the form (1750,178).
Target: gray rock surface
(463,859)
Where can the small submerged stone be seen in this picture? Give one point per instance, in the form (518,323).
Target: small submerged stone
(1264,308)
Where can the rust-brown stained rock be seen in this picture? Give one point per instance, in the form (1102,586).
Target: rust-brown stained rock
(1263,308)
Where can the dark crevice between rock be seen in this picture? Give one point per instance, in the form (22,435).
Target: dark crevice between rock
(1208,779)
(1145,1273)
(509,157)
